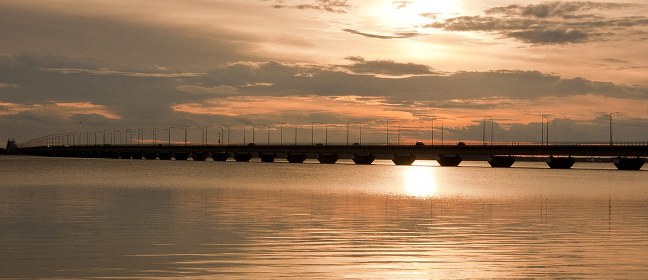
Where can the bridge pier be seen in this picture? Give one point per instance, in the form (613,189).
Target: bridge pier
(267,157)
(404,159)
(560,162)
(296,158)
(199,156)
(328,158)
(363,158)
(242,157)
(622,163)
(149,155)
(449,160)
(109,154)
(165,155)
(221,156)
(125,155)
(501,161)
(181,155)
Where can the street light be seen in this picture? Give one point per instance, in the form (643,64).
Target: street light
(347,133)
(281,133)
(228,133)
(155,136)
(268,131)
(388,131)
(492,124)
(313,132)
(129,132)
(360,125)
(442,132)
(433,119)
(484,130)
(545,116)
(185,131)
(610,115)
(253,125)
(169,140)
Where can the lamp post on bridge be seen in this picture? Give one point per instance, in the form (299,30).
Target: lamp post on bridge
(228,133)
(253,138)
(155,136)
(360,125)
(545,116)
(610,115)
(388,131)
(347,133)
(484,130)
(442,132)
(432,142)
(129,132)
(281,134)
(186,128)
(313,132)
(268,132)
(169,139)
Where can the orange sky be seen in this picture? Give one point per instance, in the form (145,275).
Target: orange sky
(122,64)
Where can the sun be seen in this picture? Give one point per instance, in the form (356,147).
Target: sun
(419,181)
(414,13)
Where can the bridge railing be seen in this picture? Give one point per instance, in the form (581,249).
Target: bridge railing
(71,139)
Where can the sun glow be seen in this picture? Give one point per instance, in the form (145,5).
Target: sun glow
(412,14)
(419,181)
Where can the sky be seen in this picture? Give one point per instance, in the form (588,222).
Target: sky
(317,65)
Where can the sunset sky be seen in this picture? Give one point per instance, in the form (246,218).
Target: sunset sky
(95,65)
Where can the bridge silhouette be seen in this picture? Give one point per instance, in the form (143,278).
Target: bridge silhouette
(563,155)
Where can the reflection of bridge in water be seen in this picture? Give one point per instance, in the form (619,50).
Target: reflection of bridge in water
(626,156)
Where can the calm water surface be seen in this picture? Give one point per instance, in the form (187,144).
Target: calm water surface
(100,218)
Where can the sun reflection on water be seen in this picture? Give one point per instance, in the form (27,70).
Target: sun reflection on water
(419,181)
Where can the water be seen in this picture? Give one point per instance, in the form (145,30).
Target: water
(100,218)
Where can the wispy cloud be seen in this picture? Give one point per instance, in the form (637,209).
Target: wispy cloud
(398,35)
(332,6)
(552,23)
(109,72)
(385,67)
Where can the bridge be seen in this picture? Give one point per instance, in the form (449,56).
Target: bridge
(624,155)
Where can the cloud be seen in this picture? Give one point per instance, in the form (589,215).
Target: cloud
(332,6)
(45,101)
(118,40)
(385,67)
(401,4)
(398,35)
(553,22)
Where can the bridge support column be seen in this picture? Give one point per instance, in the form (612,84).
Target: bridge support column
(296,158)
(267,157)
(560,162)
(220,156)
(165,155)
(628,163)
(449,160)
(242,157)
(181,155)
(109,154)
(501,161)
(199,156)
(136,155)
(328,158)
(404,159)
(363,158)
(150,155)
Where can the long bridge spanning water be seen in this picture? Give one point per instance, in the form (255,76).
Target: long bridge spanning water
(625,156)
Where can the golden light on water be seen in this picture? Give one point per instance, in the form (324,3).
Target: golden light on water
(419,181)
